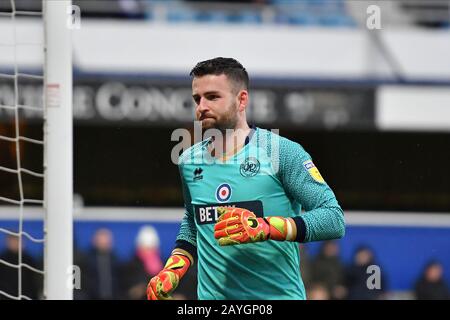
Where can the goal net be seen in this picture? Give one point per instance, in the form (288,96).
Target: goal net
(35,150)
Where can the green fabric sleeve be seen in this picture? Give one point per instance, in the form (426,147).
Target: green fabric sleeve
(188,229)
(323,217)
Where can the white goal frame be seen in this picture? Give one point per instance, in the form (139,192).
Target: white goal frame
(58,150)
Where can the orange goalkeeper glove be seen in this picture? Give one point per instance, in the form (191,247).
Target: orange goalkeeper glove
(164,283)
(237,225)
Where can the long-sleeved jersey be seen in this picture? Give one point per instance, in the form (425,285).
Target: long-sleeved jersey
(270,176)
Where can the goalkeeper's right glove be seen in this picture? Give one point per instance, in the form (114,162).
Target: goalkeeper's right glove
(164,283)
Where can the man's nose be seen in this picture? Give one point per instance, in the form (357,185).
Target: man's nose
(202,105)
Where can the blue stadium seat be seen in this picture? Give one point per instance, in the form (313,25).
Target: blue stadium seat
(307,12)
(336,21)
(245,17)
(313,12)
(296,18)
(211,16)
(180,15)
(303,19)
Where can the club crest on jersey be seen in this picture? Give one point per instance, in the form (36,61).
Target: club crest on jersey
(313,171)
(250,167)
(223,192)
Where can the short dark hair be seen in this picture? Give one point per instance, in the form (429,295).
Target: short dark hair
(230,67)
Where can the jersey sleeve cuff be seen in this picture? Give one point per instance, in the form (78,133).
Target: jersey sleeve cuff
(301,229)
(186,246)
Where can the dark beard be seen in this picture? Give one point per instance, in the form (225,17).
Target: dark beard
(223,126)
(229,121)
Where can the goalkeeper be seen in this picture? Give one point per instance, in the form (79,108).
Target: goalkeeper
(243,221)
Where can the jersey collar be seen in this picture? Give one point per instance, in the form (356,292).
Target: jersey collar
(250,135)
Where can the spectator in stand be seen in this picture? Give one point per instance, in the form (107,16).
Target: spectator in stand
(328,269)
(145,264)
(102,276)
(318,291)
(9,275)
(305,265)
(431,284)
(80,260)
(357,276)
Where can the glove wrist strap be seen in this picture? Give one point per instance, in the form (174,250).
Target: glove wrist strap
(281,229)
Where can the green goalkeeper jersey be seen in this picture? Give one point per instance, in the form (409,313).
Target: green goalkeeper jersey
(270,176)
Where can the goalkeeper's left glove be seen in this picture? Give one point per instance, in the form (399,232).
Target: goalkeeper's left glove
(237,225)
(165,282)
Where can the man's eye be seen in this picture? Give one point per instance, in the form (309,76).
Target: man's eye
(213,97)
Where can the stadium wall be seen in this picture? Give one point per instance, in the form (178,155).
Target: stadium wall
(403,242)
(267,50)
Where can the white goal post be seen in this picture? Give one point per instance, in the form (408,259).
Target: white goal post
(58,137)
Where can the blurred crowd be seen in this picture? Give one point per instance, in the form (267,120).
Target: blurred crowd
(105,276)
(326,277)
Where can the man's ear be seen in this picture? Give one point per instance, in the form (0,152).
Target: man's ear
(243,100)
